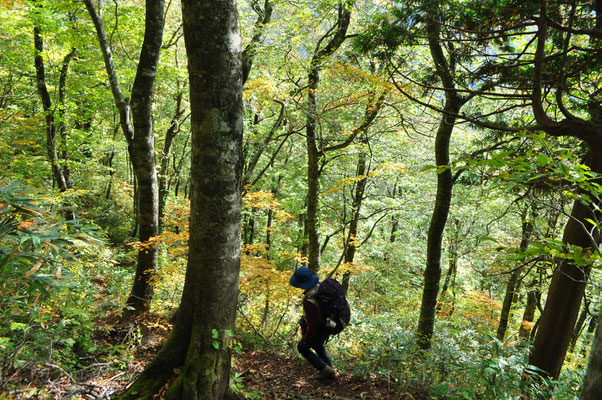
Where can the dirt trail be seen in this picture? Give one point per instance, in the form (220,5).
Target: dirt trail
(282,376)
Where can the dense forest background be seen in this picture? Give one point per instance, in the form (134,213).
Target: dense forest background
(440,158)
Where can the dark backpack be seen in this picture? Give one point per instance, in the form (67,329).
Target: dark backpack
(333,305)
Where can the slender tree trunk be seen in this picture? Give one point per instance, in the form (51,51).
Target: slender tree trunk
(432,272)
(59,174)
(529,313)
(351,244)
(62,126)
(453,104)
(313,152)
(592,383)
(393,233)
(250,230)
(141,147)
(313,176)
(579,325)
(197,351)
(143,159)
(163,178)
(268,232)
(264,16)
(591,328)
(511,286)
(302,246)
(450,277)
(452,255)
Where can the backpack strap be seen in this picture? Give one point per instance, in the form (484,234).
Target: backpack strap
(311,297)
(317,304)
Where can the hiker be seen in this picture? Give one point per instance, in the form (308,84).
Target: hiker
(315,335)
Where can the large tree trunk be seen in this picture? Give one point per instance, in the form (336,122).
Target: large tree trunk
(197,350)
(141,146)
(568,280)
(592,384)
(564,299)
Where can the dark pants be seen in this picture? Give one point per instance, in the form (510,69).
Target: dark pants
(314,350)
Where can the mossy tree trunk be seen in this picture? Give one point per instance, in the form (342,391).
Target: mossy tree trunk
(197,354)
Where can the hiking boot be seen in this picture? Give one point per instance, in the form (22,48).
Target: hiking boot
(327,374)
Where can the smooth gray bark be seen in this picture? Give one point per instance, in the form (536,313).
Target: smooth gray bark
(201,370)
(137,124)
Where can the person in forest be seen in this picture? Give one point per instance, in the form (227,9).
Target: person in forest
(315,335)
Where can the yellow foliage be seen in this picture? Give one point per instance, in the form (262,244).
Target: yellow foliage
(293,258)
(9,4)
(391,167)
(351,100)
(175,231)
(339,185)
(356,267)
(528,325)
(266,287)
(480,306)
(260,199)
(260,85)
(262,91)
(358,75)
(265,200)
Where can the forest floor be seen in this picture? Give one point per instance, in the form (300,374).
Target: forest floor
(260,374)
(284,376)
